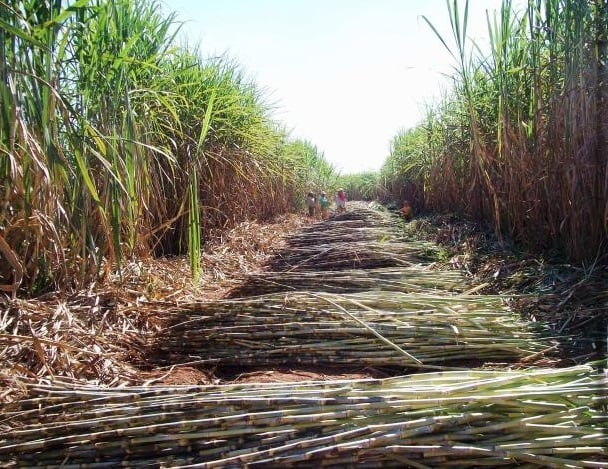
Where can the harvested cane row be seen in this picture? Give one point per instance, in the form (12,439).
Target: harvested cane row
(416,279)
(355,255)
(361,238)
(358,224)
(368,329)
(534,418)
(334,233)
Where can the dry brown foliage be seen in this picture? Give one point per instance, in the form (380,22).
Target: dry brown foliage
(98,334)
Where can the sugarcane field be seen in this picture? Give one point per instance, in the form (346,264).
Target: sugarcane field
(188,280)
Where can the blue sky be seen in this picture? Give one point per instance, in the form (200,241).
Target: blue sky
(345,75)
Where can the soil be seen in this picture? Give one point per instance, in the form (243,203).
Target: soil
(186,375)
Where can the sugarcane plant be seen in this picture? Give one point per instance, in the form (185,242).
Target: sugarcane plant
(522,108)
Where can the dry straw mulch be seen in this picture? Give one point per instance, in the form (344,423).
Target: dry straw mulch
(99,335)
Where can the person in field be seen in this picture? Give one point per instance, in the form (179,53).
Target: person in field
(406,210)
(310,203)
(324,204)
(341,200)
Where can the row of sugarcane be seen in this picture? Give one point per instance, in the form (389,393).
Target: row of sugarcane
(357,224)
(532,418)
(334,258)
(409,279)
(358,239)
(372,328)
(349,255)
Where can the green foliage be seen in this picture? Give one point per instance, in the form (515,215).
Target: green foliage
(116,142)
(520,140)
(361,186)
(311,170)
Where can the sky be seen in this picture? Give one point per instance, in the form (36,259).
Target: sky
(345,75)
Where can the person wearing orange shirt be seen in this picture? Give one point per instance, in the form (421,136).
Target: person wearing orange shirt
(406,210)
